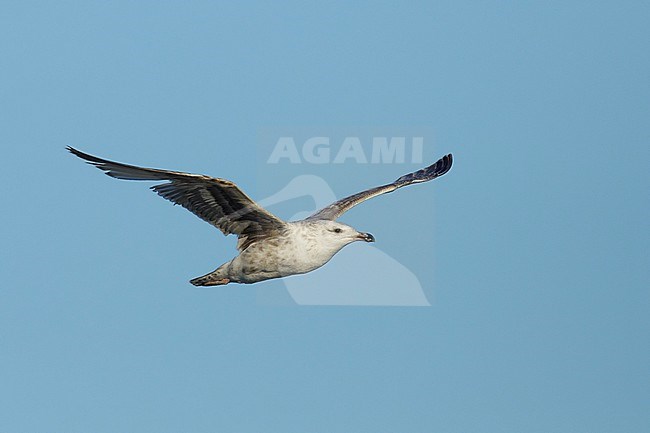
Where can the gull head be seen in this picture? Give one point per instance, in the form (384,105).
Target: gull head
(336,235)
(311,243)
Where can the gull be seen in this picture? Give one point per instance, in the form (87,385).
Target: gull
(268,246)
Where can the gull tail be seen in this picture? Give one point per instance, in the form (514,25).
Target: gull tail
(214,278)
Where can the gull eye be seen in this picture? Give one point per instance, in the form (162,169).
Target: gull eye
(337,230)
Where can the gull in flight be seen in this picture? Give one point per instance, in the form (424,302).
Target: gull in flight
(268,246)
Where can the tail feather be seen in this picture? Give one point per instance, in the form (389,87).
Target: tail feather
(215,278)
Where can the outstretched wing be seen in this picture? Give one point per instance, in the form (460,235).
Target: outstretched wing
(217,201)
(338,208)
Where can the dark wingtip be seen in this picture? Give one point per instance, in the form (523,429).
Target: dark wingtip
(447,162)
(72,150)
(79,153)
(441,166)
(437,169)
(88,158)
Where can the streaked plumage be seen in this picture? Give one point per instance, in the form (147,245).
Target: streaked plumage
(269,247)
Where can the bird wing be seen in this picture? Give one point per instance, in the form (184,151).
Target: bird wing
(217,201)
(339,207)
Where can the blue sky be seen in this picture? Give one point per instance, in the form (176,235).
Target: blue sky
(533,251)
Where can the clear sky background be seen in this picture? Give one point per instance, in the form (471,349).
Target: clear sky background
(539,319)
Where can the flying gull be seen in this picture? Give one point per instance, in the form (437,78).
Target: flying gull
(268,246)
